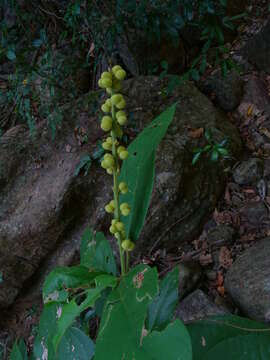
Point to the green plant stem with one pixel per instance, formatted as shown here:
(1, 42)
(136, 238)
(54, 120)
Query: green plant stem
(116, 191)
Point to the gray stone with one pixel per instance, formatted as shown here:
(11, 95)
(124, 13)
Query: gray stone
(248, 172)
(198, 306)
(255, 213)
(220, 235)
(227, 90)
(248, 281)
(190, 274)
(257, 49)
(44, 206)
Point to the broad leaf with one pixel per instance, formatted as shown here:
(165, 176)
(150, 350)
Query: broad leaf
(123, 318)
(68, 312)
(230, 337)
(66, 278)
(138, 171)
(122, 334)
(96, 252)
(75, 345)
(161, 310)
(170, 344)
(19, 351)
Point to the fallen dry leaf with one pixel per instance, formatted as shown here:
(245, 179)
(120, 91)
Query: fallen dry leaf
(196, 133)
(225, 257)
(221, 290)
(250, 110)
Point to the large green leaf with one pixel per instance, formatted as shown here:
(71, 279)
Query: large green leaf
(138, 171)
(173, 343)
(123, 318)
(161, 310)
(231, 337)
(66, 278)
(122, 334)
(96, 252)
(75, 345)
(68, 312)
(19, 351)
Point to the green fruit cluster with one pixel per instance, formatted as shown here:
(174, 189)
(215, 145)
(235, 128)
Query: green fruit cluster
(113, 120)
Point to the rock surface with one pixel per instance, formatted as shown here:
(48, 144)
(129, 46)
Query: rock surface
(44, 206)
(220, 235)
(248, 172)
(248, 281)
(257, 49)
(226, 90)
(198, 306)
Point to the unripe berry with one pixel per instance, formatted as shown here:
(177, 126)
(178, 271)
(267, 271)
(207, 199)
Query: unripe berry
(114, 221)
(120, 226)
(120, 74)
(118, 131)
(109, 171)
(108, 161)
(105, 108)
(108, 102)
(121, 104)
(117, 235)
(103, 164)
(123, 187)
(123, 155)
(125, 209)
(113, 229)
(109, 90)
(121, 117)
(105, 83)
(109, 209)
(120, 149)
(109, 140)
(106, 75)
(107, 146)
(106, 123)
(116, 68)
(128, 245)
(116, 98)
(112, 203)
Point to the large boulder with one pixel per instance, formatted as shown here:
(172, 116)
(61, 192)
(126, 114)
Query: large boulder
(45, 206)
(257, 49)
(248, 281)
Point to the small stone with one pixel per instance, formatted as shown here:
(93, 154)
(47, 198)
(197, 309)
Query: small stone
(255, 213)
(190, 273)
(227, 90)
(248, 281)
(197, 306)
(220, 235)
(248, 172)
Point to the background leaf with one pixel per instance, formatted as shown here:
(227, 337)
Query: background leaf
(66, 277)
(96, 252)
(161, 310)
(19, 351)
(230, 336)
(76, 345)
(138, 171)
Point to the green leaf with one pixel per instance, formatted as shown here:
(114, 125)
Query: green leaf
(161, 310)
(223, 151)
(196, 157)
(85, 162)
(76, 345)
(214, 155)
(170, 344)
(96, 252)
(67, 313)
(19, 351)
(122, 333)
(64, 278)
(231, 337)
(123, 317)
(138, 171)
